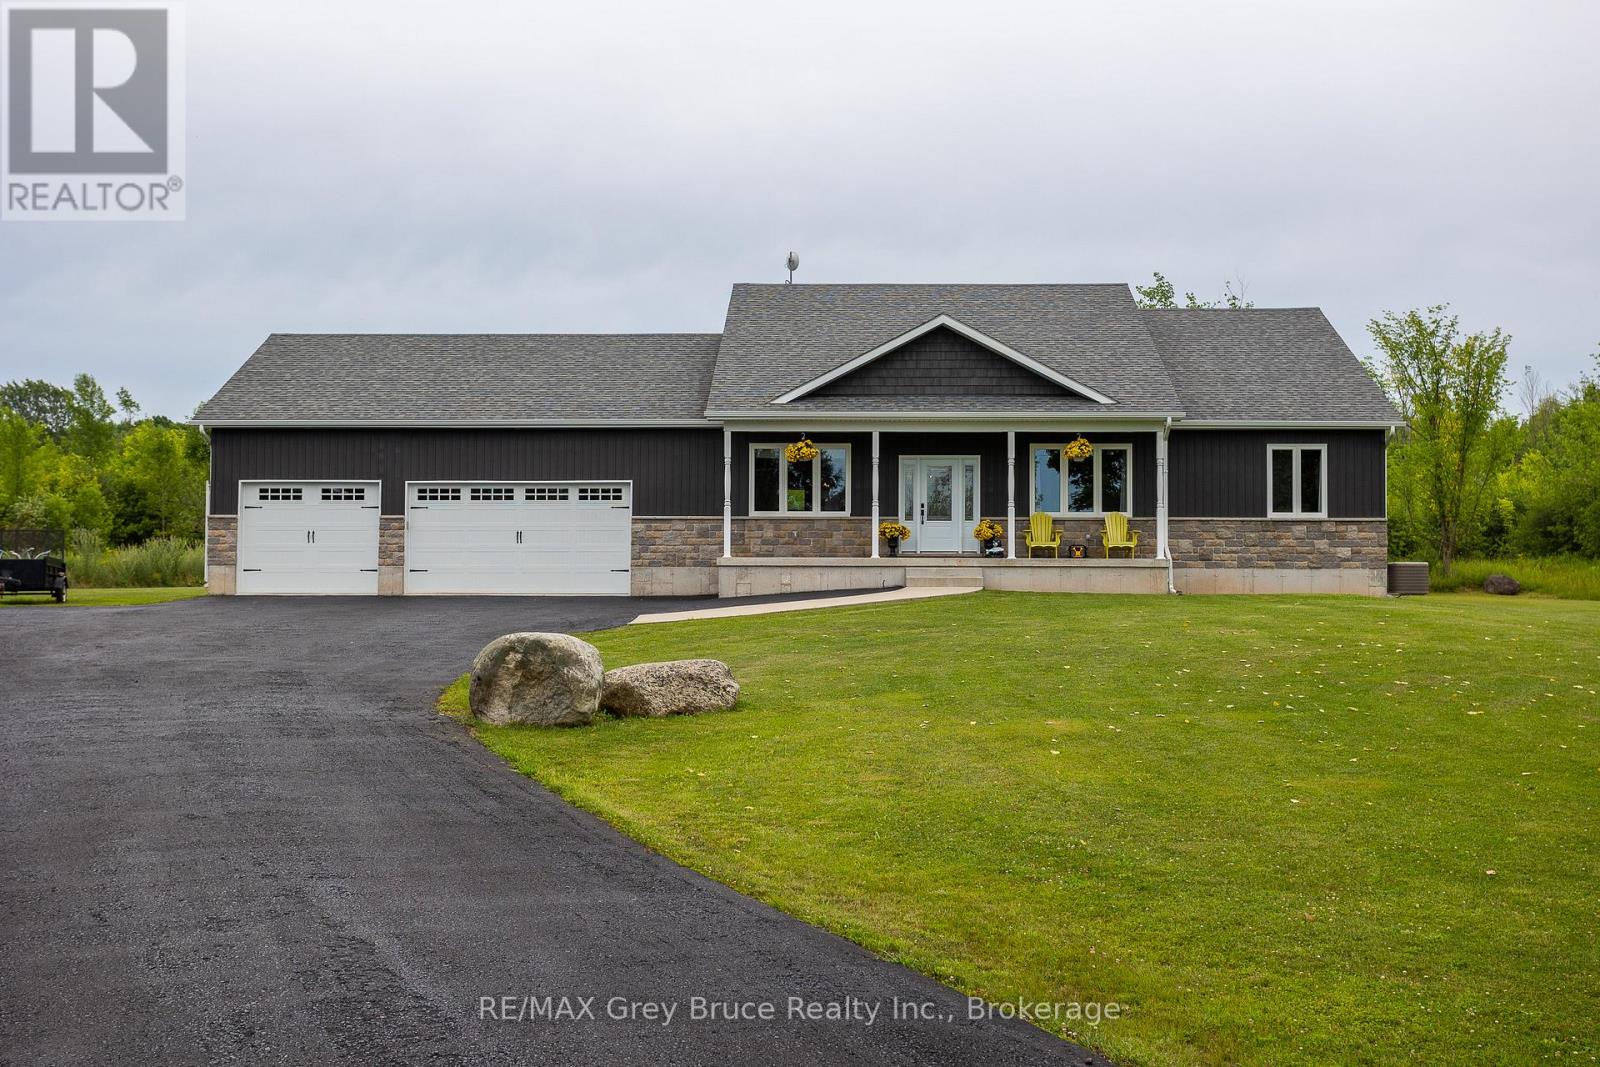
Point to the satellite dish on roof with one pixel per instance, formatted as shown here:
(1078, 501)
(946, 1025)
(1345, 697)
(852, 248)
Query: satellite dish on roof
(793, 263)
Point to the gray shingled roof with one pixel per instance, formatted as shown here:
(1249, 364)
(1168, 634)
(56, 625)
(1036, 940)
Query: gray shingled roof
(1273, 364)
(450, 378)
(1284, 364)
(778, 337)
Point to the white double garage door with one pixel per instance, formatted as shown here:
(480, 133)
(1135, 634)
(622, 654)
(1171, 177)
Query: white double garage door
(482, 538)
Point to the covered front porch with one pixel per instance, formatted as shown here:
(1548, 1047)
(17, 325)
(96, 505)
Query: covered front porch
(796, 522)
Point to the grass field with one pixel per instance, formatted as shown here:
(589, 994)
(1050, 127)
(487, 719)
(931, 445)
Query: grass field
(1277, 830)
(101, 598)
(1563, 576)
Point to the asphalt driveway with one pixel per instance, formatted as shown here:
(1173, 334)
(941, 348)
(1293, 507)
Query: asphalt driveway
(234, 832)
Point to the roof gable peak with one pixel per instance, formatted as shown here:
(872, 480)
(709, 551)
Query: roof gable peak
(947, 322)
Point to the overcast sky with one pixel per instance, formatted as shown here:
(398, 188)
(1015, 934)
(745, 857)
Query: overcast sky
(524, 167)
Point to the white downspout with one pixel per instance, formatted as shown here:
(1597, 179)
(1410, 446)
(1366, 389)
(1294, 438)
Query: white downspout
(1011, 494)
(1163, 543)
(727, 493)
(874, 531)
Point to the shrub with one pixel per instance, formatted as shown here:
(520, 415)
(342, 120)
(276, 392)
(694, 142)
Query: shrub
(157, 562)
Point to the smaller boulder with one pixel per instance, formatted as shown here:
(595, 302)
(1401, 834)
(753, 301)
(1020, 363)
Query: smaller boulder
(677, 687)
(543, 679)
(1502, 584)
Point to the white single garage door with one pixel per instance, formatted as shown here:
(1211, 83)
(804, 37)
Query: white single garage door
(318, 538)
(519, 538)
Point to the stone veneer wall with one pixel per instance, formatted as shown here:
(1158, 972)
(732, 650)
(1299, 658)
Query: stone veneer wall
(222, 540)
(842, 536)
(222, 554)
(675, 557)
(679, 542)
(1345, 544)
(391, 555)
(391, 541)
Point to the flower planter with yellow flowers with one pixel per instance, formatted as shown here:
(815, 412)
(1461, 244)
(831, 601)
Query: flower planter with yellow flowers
(893, 533)
(989, 534)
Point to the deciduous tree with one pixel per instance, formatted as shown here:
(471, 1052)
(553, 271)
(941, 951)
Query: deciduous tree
(1448, 387)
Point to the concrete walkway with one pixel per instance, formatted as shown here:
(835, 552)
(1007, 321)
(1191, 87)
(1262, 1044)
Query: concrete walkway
(887, 596)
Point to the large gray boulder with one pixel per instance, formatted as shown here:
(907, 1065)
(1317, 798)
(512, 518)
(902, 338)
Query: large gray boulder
(1503, 584)
(545, 679)
(677, 687)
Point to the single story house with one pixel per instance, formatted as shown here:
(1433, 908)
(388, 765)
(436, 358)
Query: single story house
(1246, 448)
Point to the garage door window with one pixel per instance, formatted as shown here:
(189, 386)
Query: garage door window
(599, 493)
(491, 493)
(438, 495)
(548, 493)
(343, 492)
(278, 492)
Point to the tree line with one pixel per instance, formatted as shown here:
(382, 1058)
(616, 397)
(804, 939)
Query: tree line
(1468, 478)
(76, 459)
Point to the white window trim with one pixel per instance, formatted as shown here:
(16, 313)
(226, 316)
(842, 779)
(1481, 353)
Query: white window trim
(1097, 513)
(816, 483)
(1322, 513)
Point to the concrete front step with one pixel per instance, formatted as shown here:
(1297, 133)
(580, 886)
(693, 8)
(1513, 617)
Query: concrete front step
(944, 577)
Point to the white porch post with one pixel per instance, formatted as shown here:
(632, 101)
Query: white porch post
(727, 492)
(1011, 494)
(1161, 492)
(874, 531)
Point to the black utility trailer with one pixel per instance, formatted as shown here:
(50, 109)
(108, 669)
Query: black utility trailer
(34, 561)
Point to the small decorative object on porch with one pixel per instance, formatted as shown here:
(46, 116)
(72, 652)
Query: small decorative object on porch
(1079, 448)
(802, 451)
(894, 533)
(988, 532)
(1077, 551)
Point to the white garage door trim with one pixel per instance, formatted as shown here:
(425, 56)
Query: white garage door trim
(308, 538)
(516, 538)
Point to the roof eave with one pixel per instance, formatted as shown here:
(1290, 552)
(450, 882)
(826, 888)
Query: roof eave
(446, 424)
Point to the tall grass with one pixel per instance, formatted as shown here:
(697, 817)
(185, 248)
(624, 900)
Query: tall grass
(1571, 577)
(159, 561)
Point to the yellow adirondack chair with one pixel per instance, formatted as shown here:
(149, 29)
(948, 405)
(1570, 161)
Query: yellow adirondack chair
(1042, 533)
(1118, 535)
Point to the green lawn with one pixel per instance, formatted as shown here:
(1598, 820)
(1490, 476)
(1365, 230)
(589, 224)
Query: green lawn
(100, 598)
(1278, 830)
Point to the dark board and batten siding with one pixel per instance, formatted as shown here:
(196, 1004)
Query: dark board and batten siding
(941, 363)
(1214, 473)
(988, 446)
(674, 471)
(1222, 474)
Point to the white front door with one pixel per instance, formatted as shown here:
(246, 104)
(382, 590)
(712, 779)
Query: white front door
(519, 538)
(308, 538)
(938, 523)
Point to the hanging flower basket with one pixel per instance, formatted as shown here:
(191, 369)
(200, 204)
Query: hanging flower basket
(1079, 449)
(802, 451)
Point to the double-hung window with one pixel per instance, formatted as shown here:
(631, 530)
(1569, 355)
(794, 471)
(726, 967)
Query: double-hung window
(1297, 481)
(1101, 483)
(819, 486)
